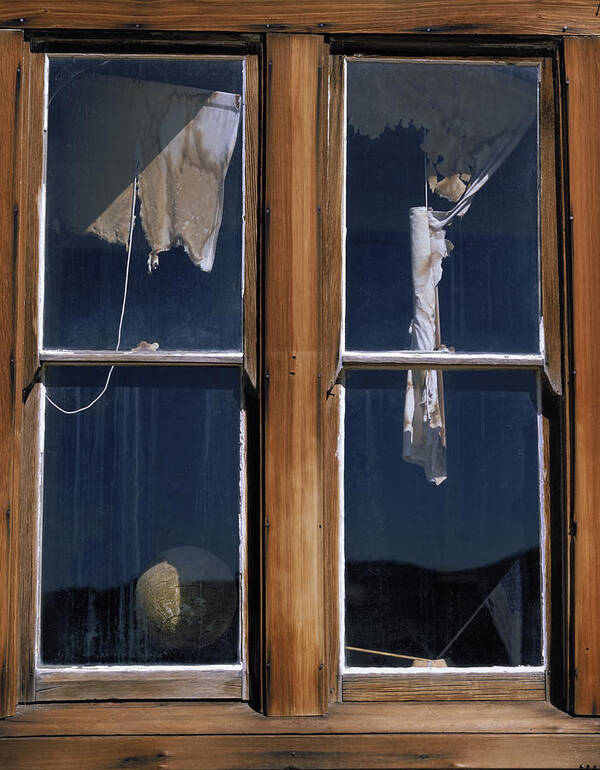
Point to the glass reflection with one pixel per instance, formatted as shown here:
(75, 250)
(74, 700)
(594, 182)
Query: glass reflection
(140, 560)
(449, 572)
(174, 126)
(453, 145)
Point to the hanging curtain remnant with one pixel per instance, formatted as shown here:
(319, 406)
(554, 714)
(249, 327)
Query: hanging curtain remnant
(177, 140)
(424, 428)
(472, 117)
(424, 419)
(468, 112)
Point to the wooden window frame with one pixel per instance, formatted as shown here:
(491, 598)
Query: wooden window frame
(521, 683)
(50, 683)
(306, 230)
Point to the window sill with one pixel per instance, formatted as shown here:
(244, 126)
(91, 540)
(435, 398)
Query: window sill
(225, 735)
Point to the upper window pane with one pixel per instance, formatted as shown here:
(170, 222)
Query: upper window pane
(462, 140)
(175, 126)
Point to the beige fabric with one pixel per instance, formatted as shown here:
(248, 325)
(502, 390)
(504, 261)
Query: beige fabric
(468, 111)
(181, 188)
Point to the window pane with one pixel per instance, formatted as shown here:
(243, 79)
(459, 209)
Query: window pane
(140, 559)
(471, 131)
(176, 125)
(448, 571)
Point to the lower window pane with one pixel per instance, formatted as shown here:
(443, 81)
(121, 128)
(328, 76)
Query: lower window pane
(444, 574)
(141, 505)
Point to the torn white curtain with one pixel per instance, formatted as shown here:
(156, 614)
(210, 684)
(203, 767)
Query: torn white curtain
(424, 430)
(424, 420)
(178, 141)
(472, 116)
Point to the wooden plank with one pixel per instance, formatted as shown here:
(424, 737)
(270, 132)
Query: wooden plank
(28, 551)
(582, 61)
(332, 320)
(335, 217)
(293, 507)
(395, 359)
(252, 382)
(423, 687)
(132, 685)
(142, 357)
(27, 364)
(229, 718)
(11, 71)
(329, 751)
(251, 172)
(512, 17)
(551, 305)
(558, 411)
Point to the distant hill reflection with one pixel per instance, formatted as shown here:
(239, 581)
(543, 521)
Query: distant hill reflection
(410, 610)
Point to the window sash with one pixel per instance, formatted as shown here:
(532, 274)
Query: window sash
(55, 683)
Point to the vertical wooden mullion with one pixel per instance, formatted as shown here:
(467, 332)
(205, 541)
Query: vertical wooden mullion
(252, 685)
(250, 347)
(558, 463)
(251, 161)
(582, 64)
(27, 344)
(550, 287)
(294, 596)
(11, 125)
(332, 319)
(556, 380)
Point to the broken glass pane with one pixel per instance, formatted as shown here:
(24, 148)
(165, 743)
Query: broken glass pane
(140, 556)
(449, 574)
(159, 139)
(442, 207)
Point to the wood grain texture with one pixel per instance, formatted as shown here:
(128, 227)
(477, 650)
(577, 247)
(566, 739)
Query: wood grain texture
(335, 231)
(294, 751)
(401, 359)
(332, 321)
(293, 505)
(28, 536)
(80, 685)
(28, 362)
(250, 219)
(560, 424)
(33, 172)
(550, 267)
(251, 339)
(582, 62)
(530, 17)
(433, 687)
(11, 53)
(229, 718)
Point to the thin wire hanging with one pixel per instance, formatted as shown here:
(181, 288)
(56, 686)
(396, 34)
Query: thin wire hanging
(123, 304)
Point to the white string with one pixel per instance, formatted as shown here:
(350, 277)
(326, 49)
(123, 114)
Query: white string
(426, 184)
(110, 371)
